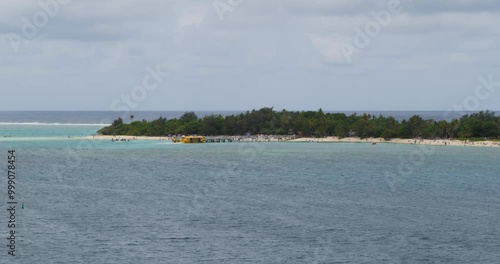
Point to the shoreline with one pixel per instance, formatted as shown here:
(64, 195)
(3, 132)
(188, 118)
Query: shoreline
(431, 142)
(285, 139)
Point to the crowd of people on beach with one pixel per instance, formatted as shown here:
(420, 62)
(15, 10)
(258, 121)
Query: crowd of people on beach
(120, 139)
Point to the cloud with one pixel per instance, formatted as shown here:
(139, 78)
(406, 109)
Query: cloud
(330, 47)
(279, 49)
(451, 6)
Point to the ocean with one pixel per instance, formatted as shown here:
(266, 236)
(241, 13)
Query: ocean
(89, 201)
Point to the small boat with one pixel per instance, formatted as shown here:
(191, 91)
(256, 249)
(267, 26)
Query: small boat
(189, 139)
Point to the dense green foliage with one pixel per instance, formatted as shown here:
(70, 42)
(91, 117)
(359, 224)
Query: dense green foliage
(312, 123)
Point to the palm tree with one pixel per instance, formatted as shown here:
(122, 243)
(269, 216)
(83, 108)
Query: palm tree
(132, 118)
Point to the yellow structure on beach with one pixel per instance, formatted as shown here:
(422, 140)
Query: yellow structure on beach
(189, 139)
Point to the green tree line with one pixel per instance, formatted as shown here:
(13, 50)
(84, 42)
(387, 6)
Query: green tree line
(484, 124)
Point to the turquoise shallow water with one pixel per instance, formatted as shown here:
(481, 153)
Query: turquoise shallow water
(23, 131)
(158, 202)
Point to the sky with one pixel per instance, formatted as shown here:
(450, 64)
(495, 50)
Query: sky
(114, 55)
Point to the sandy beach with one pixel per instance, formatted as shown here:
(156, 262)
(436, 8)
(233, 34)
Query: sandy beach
(437, 142)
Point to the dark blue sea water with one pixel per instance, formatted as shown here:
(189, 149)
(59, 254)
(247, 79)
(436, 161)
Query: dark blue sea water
(90, 201)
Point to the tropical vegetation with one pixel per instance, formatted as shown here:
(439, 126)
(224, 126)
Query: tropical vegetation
(482, 125)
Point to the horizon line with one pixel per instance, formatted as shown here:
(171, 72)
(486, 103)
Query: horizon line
(190, 110)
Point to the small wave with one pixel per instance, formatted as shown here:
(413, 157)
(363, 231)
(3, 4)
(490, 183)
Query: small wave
(48, 124)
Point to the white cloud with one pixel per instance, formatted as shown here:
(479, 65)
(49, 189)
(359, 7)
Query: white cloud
(331, 47)
(276, 47)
